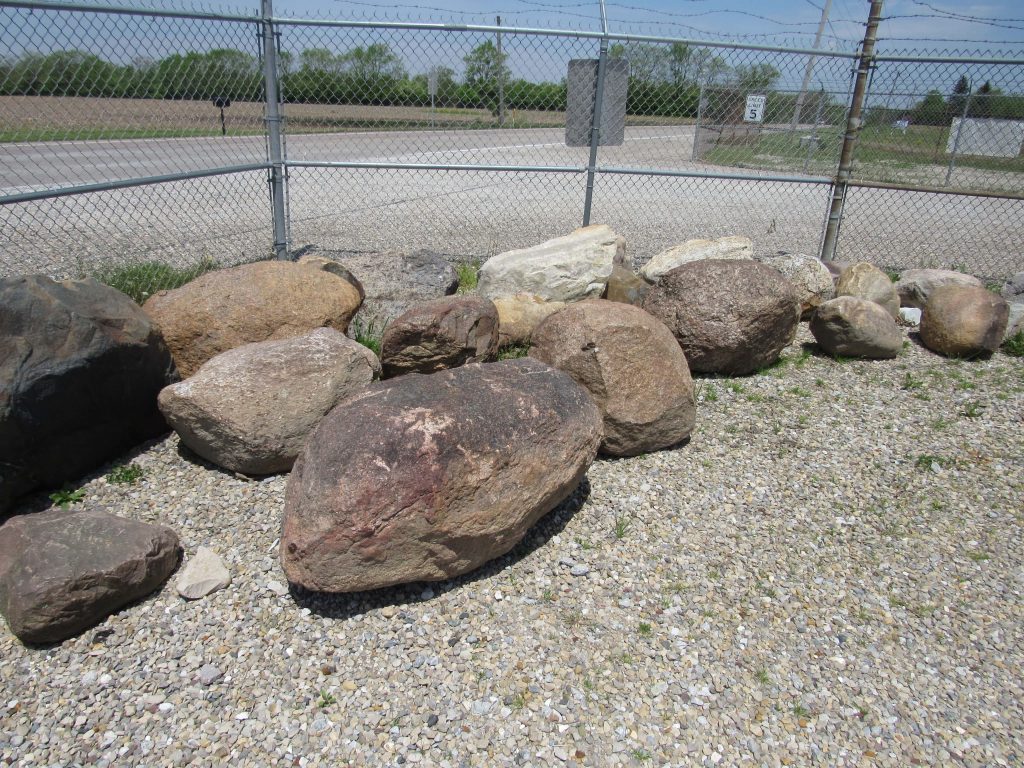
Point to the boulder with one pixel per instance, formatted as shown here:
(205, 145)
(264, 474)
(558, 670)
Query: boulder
(962, 321)
(626, 287)
(855, 327)
(733, 247)
(812, 279)
(80, 367)
(439, 334)
(335, 268)
(836, 268)
(729, 316)
(631, 365)
(1015, 319)
(428, 477)
(915, 285)
(251, 408)
(393, 281)
(866, 281)
(568, 268)
(518, 315)
(63, 570)
(1013, 289)
(203, 574)
(262, 301)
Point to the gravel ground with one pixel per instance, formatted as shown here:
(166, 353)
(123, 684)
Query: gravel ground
(829, 573)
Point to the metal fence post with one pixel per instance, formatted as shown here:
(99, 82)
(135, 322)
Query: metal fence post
(595, 120)
(959, 130)
(275, 146)
(853, 124)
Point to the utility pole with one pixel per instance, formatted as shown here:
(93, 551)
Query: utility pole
(501, 81)
(853, 123)
(809, 70)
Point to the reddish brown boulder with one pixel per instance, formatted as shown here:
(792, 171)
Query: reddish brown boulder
(730, 316)
(427, 477)
(632, 366)
(253, 302)
(961, 321)
(63, 570)
(443, 333)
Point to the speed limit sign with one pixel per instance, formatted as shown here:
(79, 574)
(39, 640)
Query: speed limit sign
(754, 113)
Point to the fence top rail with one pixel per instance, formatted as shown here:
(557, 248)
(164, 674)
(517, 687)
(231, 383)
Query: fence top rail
(933, 59)
(124, 10)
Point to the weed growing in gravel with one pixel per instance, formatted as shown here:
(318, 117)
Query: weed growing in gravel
(926, 460)
(819, 382)
(140, 281)
(801, 711)
(708, 392)
(641, 754)
(548, 595)
(910, 382)
(621, 526)
(766, 590)
(755, 397)
(369, 335)
(894, 275)
(125, 474)
(513, 352)
(644, 629)
(762, 677)
(584, 544)
(518, 702)
(799, 392)
(735, 387)
(1014, 346)
(469, 275)
(66, 498)
(326, 699)
(940, 423)
(978, 556)
(972, 409)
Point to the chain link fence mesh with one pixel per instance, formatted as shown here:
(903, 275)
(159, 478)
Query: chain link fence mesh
(454, 139)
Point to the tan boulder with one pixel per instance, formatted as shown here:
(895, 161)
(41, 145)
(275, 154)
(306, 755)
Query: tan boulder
(809, 276)
(626, 287)
(915, 285)
(855, 327)
(518, 315)
(252, 302)
(632, 366)
(961, 321)
(866, 281)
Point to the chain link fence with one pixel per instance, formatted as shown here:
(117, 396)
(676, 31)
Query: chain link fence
(137, 145)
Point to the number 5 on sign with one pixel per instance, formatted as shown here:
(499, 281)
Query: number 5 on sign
(754, 113)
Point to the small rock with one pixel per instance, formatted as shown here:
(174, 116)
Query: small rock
(579, 570)
(209, 674)
(277, 588)
(203, 574)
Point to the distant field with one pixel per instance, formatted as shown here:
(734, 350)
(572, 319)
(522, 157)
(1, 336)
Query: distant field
(55, 118)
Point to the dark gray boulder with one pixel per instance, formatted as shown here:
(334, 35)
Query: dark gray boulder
(80, 369)
(63, 570)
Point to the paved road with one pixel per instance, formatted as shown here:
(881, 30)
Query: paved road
(470, 214)
(46, 165)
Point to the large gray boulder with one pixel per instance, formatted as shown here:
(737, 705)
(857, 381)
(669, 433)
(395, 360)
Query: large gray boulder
(80, 368)
(812, 279)
(631, 365)
(427, 477)
(392, 281)
(62, 571)
(576, 266)
(443, 333)
(866, 281)
(732, 247)
(963, 321)
(729, 316)
(855, 327)
(915, 285)
(263, 301)
(251, 408)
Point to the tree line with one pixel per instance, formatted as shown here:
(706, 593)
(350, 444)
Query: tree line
(987, 101)
(665, 80)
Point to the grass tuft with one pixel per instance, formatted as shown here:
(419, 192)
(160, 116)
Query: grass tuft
(142, 280)
(513, 351)
(469, 274)
(125, 474)
(368, 335)
(1014, 346)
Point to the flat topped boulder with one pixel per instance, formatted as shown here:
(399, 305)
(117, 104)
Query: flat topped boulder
(262, 301)
(444, 333)
(251, 408)
(732, 247)
(916, 285)
(569, 268)
(866, 281)
(62, 571)
(855, 327)
(80, 367)
(426, 477)
(631, 365)
(729, 316)
(962, 321)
